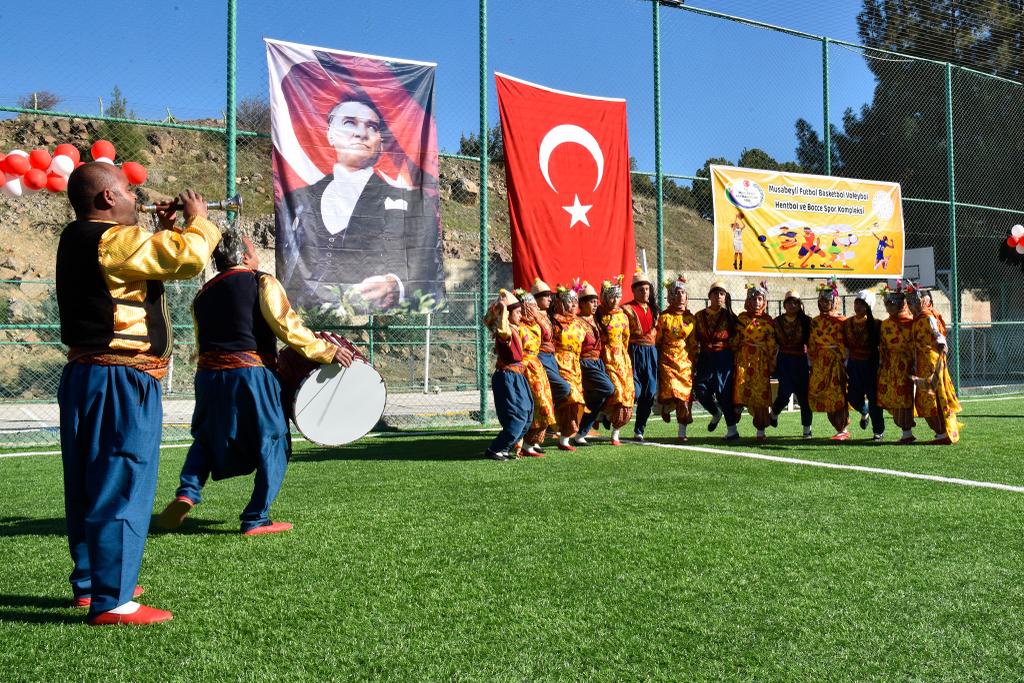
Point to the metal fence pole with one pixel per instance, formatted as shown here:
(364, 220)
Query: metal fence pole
(659, 177)
(827, 134)
(484, 249)
(229, 112)
(953, 352)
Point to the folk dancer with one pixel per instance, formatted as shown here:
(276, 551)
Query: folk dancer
(826, 390)
(239, 424)
(614, 325)
(530, 334)
(896, 362)
(755, 348)
(861, 336)
(793, 330)
(716, 329)
(113, 318)
(676, 342)
(597, 386)
(512, 399)
(568, 334)
(935, 398)
(642, 313)
(560, 389)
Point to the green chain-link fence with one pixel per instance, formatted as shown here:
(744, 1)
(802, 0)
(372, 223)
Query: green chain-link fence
(949, 135)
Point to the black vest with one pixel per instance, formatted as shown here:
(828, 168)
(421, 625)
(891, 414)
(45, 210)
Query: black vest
(228, 316)
(84, 300)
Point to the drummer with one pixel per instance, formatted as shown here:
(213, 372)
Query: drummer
(239, 424)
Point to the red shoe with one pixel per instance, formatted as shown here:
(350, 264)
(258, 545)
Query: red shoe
(533, 454)
(272, 528)
(140, 617)
(906, 441)
(616, 442)
(944, 441)
(83, 601)
(841, 436)
(175, 513)
(567, 447)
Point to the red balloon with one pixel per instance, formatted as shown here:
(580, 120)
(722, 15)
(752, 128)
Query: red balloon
(1011, 241)
(136, 173)
(34, 179)
(3, 179)
(15, 164)
(102, 148)
(68, 150)
(55, 182)
(79, 163)
(39, 158)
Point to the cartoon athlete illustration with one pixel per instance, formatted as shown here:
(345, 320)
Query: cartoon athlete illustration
(883, 243)
(737, 241)
(843, 250)
(810, 247)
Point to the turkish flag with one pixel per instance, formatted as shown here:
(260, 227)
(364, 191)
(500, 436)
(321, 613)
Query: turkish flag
(569, 196)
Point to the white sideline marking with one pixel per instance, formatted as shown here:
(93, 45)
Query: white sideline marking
(837, 466)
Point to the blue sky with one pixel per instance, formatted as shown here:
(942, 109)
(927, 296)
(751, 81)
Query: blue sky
(725, 86)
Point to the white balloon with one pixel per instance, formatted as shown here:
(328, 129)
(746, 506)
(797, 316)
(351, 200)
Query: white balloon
(62, 165)
(1020, 248)
(19, 152)
(13, 188)
(105, 160)
(1017, 231)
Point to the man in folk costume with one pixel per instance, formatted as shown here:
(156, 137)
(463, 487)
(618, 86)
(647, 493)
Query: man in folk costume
(716, 329)
(597, 386)
(239, 425)
(793, 330)
(755, 348)
(544, 297)
(861, 335)
(896, 362)
(642, 314)
(530, 334)
(827, 388)
(676, 342)
(614, 325)
(568, 334)
(935, 399)
(512, 398)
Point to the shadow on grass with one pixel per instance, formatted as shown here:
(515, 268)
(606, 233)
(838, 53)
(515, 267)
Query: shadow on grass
(192, 526)
(8, 616)
(29, 526)
(24, 609)
(785, 444)
(395, 446)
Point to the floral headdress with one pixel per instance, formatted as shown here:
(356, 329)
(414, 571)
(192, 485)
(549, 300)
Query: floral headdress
(612, 288)
(524, 296)
(829, 289)
(678, 283)
(570, 294)
(913, 292)
(755, 289)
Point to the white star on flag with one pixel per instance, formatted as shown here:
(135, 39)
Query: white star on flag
(578, 212)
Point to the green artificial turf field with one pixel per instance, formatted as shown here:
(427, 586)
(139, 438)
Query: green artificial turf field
(413, 559)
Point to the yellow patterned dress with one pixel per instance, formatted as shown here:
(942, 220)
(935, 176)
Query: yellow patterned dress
(677, 349)
(615, 354)
(826, 392)
(935, 397)
(568, 334)
(896, 352)
(536, 377)
(755, 347)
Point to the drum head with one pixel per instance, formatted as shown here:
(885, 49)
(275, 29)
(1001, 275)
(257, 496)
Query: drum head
(337, 405)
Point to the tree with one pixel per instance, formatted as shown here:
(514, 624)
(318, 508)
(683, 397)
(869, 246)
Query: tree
(43, 100)
(128, 138)
(757, 158)
(470, 144)
(253, 114)
(702, 188)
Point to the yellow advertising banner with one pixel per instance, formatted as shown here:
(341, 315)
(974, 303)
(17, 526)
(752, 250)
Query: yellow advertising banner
(794, 224)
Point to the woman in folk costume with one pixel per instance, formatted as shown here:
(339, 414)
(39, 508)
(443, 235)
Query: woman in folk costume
(861, 335)
(826, 391)
(615, 353)
(642, 313)
(530, 335)
(543, 295)
(755, 347)
(793, 330)
(676, 341)
(935, 398)
(512, 399)
(568, 334)
(597, 386)
(713, 378)
(896, 362)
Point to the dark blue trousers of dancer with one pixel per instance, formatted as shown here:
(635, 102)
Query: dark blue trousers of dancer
(645, 381)
(597, 387)
(862, 391)
(713, 384)
(110, 422)
(238, 427)
(513, 403)
(794, 374)
(560, 389)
